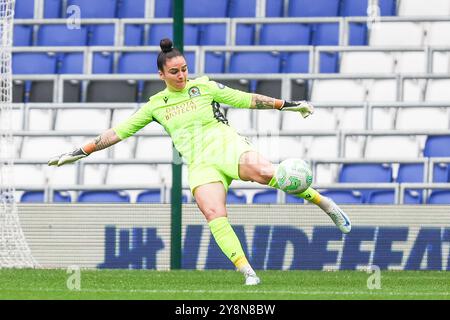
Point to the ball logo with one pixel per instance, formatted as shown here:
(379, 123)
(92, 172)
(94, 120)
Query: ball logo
(194, 92)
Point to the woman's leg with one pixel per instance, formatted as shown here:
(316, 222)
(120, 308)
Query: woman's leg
(211, 199)
(254, 167)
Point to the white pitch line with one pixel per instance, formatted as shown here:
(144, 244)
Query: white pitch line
(337, 293)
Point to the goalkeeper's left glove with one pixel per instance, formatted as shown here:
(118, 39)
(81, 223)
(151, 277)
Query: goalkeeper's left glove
(304, 107)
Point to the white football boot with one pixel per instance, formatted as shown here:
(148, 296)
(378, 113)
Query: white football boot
(339, 217)
(251, 279)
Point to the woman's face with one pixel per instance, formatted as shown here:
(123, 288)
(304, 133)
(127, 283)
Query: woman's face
(175, 73)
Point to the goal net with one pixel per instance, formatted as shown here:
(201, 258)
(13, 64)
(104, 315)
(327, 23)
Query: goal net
(14, 250)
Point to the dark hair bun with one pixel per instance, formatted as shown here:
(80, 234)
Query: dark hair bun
(166, 45)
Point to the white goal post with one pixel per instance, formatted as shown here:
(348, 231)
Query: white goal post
(14, 250)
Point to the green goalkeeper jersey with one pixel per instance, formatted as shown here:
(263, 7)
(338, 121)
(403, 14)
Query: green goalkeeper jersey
(189, 117)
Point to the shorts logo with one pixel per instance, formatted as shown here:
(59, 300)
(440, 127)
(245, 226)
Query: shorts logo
(194, 92)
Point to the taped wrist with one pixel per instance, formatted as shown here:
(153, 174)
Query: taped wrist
(79, 152)
(289, 104)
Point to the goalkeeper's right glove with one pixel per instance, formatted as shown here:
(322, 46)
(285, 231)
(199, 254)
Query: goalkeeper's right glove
(66, 158)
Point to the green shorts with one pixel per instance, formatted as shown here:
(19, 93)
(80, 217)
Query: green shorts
(219, 163)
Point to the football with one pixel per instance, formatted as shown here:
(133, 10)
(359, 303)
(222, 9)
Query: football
(294, 176)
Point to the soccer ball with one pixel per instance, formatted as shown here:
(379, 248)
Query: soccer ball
(294, 176)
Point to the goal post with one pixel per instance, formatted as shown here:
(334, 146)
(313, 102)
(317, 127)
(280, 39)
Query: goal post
(14, 250)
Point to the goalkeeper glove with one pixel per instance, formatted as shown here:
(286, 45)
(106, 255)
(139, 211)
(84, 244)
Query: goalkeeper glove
(66, 158)
(304, 107)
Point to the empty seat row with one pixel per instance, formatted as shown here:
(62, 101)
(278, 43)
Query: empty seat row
(319, 91)
(326, 33)
(233, 197)
(145, 62)
(194, 34)
(405, 118)
(33, 149)
(202, 8)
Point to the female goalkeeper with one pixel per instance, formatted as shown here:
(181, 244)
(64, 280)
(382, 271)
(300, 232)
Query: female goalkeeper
(214, 152)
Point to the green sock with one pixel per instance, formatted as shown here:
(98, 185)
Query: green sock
(309, 194)
(228, 241)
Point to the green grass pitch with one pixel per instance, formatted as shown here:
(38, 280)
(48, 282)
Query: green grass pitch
(219, 284)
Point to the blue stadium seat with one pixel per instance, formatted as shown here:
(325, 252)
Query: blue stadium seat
(214, 62)
(22, 35)
(134, 35)
(24, 9)
(101, 35)
(145, 62)
(38, 196)
(104, 196)
(439, 197)
(242, 8)
(268, 196)
(381, 197)
(212, 34)
(60, 35)
(205, 8)
(255, 62)
(329, 62)
(150, 196)
(131, 9)
(163, 9)
(359, 7)
(95, 9)
(245, 34)
(365, 172)
(438, 146)
(292, 199)
(295, 62)
(102, 62)
(388, 197)
(357, 34)
(285, 34)
(411, 172)
(138, 62)
(34, 63)
(71, 63)
(344, 196)
(313, 8)
(274, 8)
(160, 31)
(52, 9)
(325, 34)
(232, 197)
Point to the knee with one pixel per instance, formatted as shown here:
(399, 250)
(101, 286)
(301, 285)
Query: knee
(266, 173)
(213, 212)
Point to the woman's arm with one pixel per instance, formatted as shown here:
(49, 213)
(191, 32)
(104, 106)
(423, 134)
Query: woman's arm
(263, 102)
(104, 140)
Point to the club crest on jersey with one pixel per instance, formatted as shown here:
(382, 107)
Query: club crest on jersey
(194, 92)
